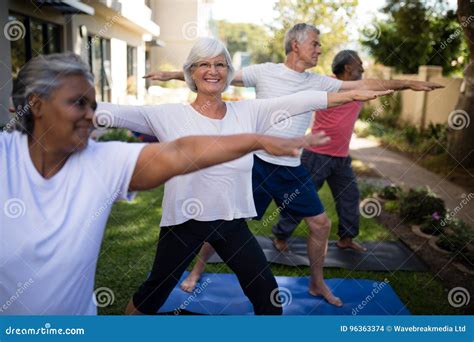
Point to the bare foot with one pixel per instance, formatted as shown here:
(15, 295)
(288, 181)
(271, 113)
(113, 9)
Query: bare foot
(325, 292)
(131, 309)
(281, 245)
(189, 284)
(348, 243)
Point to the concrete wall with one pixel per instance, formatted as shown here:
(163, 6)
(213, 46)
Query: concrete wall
(412, 102)
(441, 103)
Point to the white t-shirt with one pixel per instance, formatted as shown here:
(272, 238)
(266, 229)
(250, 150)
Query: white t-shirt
(273, 80)
(221, 192)
(51, 229)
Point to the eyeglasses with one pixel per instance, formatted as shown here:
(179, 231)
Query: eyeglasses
(207, 66)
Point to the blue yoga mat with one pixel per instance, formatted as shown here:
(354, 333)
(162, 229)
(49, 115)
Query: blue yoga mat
(220, 294)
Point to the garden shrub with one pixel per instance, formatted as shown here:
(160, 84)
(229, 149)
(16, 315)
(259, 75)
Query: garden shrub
(411, 134)
(417, 204)
(434, 224)
(392, 206)
(391, 192)
(458, 238)
(118, 134)
(367, 189)
(392, 108)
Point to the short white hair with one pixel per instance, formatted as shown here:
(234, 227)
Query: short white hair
(202, 49)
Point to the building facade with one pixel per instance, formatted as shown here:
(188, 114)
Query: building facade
(181, 23)
(110, 35)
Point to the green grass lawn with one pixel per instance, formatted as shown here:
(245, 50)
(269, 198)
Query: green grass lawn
(132, 233)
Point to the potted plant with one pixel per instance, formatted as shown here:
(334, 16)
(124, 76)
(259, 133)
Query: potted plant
(457, 240)
(434, 224)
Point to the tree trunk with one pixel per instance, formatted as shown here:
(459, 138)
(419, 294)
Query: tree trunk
(461, 121)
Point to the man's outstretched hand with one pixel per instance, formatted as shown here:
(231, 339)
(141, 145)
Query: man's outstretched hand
(367, 95)
(424, 86)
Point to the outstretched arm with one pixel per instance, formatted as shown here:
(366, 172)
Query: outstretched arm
(368, 84)
(337, 99)
(179, 75)
(161, 161)
(270, 112)
(134, 118)
(372, 84)
(165, 75)
(237, 80)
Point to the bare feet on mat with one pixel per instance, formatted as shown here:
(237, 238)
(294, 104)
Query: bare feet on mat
(281, 245)
(189, 284)
(324, 291)
(348, 243)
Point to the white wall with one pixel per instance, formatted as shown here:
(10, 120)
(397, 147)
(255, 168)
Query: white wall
(118, 49)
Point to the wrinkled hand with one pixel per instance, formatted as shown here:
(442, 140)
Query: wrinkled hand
(291, 146)
(159, 76)
(367, 95)
(424, 86)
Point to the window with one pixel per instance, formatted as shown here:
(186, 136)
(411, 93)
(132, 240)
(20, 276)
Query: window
(132, 70)
(99, 61)
(40, 37)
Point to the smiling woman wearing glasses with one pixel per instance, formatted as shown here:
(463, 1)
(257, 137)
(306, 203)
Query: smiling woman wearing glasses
(212, 205)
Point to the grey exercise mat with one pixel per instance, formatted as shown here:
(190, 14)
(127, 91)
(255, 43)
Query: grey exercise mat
(381, 256)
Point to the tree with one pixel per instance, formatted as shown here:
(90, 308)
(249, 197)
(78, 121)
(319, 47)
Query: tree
(461, 121)
(330, 17)
(417, 33)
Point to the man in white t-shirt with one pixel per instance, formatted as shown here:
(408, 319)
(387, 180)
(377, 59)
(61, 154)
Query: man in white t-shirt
(285, 180)
(331, 163)
(58, 187)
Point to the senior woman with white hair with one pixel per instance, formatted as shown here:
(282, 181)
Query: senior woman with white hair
(211, 205)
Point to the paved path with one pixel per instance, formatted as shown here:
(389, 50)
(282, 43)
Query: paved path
(403, 171)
